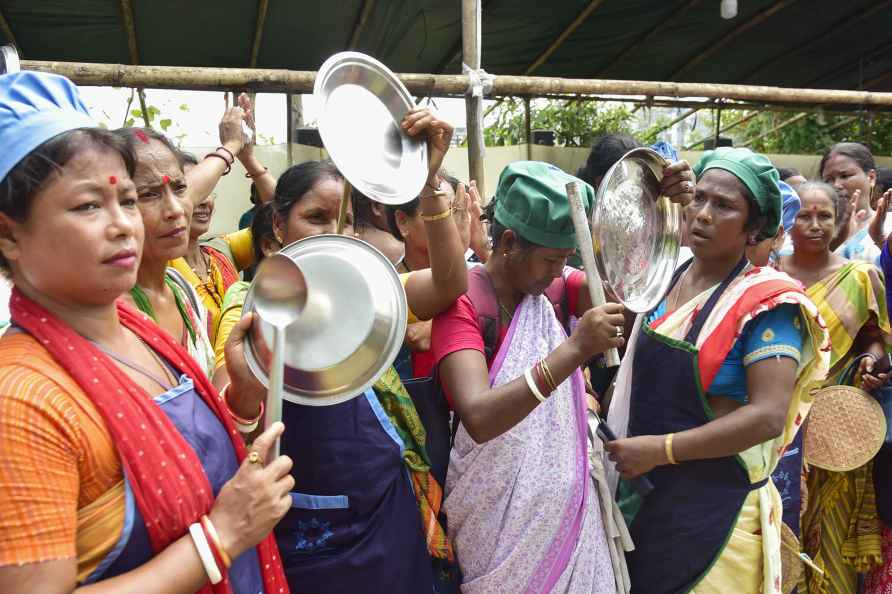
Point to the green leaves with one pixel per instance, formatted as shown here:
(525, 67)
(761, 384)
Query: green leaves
(153, 113)
(575, 123)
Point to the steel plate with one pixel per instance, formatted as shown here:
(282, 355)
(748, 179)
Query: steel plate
(9, 60)
(636, 231)
(352, 326)
(361, 104)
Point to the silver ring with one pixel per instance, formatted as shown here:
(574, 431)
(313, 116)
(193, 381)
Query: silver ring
(619, 331)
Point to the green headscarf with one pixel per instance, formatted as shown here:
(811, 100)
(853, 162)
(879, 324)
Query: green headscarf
(531, 200)
(759, 176)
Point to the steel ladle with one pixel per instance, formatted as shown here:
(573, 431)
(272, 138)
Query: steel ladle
(280, 294)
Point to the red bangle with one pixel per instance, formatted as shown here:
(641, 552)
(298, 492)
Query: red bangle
(219, 156)
(228, 152)
(239, 420)
(210, 533)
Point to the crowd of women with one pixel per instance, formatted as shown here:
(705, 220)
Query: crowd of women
(130, 454)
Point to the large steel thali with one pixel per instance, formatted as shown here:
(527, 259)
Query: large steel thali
(636, 230)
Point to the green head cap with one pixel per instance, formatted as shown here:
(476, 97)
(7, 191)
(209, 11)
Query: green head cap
(531, 200)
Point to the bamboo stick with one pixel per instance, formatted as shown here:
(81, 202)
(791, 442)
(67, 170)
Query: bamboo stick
(262, 9)
(471, 50)
(283, 81)
(130, 26)
(364, 14)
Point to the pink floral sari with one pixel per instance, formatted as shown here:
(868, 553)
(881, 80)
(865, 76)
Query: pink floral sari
(523, 514)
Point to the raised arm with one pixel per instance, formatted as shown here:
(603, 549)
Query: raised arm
(203, 178)
(264, 181)
(432, 291)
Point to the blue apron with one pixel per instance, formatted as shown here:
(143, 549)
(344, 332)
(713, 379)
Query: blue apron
(354, 525)
(204, 432)
(682, 527)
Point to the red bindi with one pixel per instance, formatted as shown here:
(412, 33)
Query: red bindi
(165, 179)
(112, 179)
(142, 136)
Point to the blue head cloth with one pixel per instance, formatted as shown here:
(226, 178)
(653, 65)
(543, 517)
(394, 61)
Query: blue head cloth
(35, 107)
(790, 205)
(666, 150)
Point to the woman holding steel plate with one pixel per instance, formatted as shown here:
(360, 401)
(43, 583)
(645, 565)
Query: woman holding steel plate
(719, 384)
(365, 505)
(524, 513)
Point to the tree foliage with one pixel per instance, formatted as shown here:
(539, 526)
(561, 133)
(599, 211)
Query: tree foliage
(810, 135)
(575, 123)
(578, 123)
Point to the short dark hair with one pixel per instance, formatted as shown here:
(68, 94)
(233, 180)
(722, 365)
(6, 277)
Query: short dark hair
(857, 152)
(884, 179)
(606, 151)
(298, 180)
(496, 230)
(261, 228)
(788, 172)
(411, 207)
(31, 174)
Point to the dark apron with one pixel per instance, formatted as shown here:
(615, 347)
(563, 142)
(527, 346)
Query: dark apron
(682, 527)
(204, 432)
(354, 524)
(787, 477)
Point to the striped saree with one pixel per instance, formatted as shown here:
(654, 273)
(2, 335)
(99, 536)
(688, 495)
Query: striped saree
(840, 528)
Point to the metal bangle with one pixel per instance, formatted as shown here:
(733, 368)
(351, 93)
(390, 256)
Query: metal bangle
(531, 384)
(437, 217)
(670, 455)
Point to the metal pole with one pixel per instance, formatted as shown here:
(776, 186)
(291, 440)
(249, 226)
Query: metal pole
(528, 127)
(471, 50)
